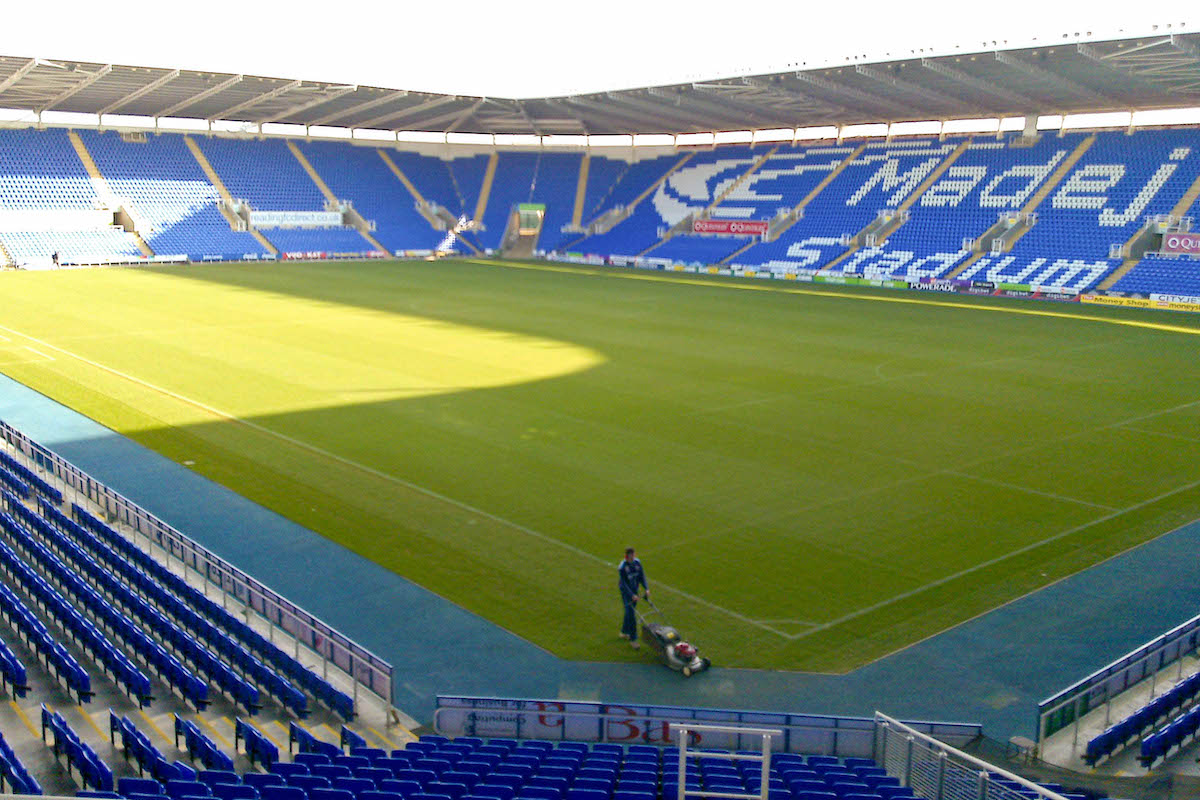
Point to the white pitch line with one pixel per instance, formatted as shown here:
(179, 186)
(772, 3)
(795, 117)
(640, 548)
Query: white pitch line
(990, 562)
(1028, 490)
(1162, 435)
(388, 477)
(38, 352)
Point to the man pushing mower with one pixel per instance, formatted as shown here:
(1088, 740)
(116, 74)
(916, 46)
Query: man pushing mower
(631, 577)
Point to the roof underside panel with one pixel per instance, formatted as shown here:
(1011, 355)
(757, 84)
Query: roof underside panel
(1071, 77)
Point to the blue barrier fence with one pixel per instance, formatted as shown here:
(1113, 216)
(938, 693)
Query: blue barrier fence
(1071, 704)
(624, 723)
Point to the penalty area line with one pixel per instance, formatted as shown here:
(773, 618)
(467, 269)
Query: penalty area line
(416, 488)
(993, 561)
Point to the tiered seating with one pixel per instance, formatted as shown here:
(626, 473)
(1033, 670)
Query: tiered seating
(640, 229)
(512, 184)
(1103, 201)
(263, 172)
(165, 186)
(30, 477)
(206, 236)
(1163, 275)
(468, 768)
(467, 173)
(783, 180)
(258, 748)
(359, 175)
(48, 649)
(554, 184)
(40, 172)
(167, 591)
(879, 178)
(1160, 743)
(100, 246)
(303, 741)
(268, 176)
(14, 484)
(14, 778)
(433, 180)
(328, 241)
(351, 740)
(137, 747)
(93, 772)
(199, 747)
(951, 210)
(698, 249)
(82, 630)
(1117, 735)
(604, 176)
(12, 671)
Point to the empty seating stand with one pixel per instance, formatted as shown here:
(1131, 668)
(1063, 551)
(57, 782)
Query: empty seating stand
(1116, 736)
(66, 744)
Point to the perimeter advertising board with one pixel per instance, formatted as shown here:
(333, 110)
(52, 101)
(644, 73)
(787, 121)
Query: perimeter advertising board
(1138, 302)
(295, 219)
(731, 227)
(562, 720)
(1181, 244)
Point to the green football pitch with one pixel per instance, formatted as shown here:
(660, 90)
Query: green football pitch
(813, 478)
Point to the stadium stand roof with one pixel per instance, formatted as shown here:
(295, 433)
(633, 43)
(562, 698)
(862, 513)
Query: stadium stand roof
(1069, 77)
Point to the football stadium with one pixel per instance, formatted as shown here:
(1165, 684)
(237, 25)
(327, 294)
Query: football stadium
(328, 411)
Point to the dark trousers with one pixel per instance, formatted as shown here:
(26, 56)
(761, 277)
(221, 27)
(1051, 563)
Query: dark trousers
(629, 625)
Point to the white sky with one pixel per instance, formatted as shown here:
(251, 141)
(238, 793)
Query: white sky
(533, 48)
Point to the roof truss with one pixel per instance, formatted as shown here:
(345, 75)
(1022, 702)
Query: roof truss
(196, 98)
(1170, 62)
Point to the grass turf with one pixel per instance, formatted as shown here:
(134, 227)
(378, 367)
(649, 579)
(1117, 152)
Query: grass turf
(813, 479)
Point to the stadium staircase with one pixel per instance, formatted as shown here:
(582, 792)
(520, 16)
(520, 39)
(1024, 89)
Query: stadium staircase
(686, 225)
(883, 226)
(580, 191)
(423, 206)
(1181, 208)
(6, 260)
(1029, 208)
(485, 190)
(105, 191)
(226, 197)
(356, 220)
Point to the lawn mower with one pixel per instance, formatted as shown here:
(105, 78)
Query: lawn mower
(675, 653)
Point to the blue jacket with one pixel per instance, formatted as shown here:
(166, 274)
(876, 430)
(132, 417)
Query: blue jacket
(631, 575)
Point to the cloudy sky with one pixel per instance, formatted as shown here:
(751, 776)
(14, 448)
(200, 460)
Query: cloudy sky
(531, 48)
